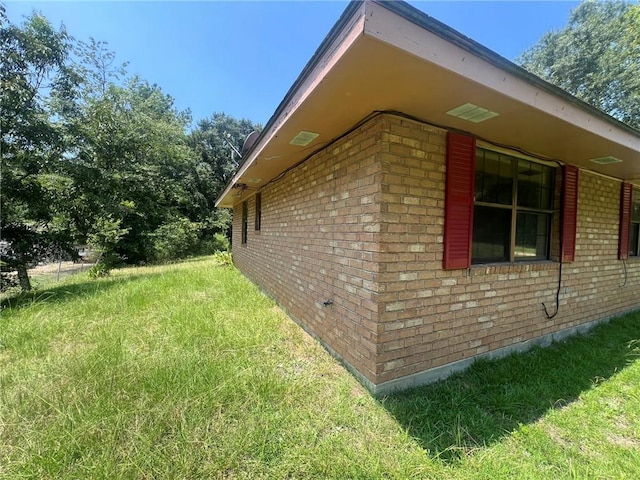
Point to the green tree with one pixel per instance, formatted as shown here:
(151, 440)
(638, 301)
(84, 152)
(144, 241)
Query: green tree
(130, 157)
(34, 67)
(596, 58)
(132, 162)
(214, 141)
(92, 156)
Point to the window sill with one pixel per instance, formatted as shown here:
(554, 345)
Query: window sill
(519, 267)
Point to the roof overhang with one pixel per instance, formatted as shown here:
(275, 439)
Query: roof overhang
(388, 56)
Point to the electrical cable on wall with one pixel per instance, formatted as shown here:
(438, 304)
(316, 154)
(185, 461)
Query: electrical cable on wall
(546, 311)
(557, 296)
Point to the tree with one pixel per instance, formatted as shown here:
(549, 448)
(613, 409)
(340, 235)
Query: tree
(33, 67)
(91, 156)
(213, 141)
(129, 160)
(596, 58)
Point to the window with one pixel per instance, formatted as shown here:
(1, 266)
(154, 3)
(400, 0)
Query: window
(513, 206)
(258, 210)
(245, 221)
(499, 208)
(634, 231)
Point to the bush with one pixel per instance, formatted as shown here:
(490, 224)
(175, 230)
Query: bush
(105, 238)
(182, 238)
(220, 243)
(178, 239)
(99, 270)
(223, 258)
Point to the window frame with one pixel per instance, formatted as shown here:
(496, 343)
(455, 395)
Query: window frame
(515, 209)
(245, 222)
(258, 205)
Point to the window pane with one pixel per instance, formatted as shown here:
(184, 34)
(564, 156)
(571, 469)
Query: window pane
(633, 239)
(535, 185)
(494, 182)
(532, 235)
(491, 227)
(548, 175)
(258, 211)
(245, 222)
(635, 208)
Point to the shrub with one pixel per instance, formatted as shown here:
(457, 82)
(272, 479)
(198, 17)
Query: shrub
(220, 243)
(177, 239)
(224, 258)
(99, 270)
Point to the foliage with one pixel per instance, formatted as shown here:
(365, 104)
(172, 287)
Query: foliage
(129, 159)
(99, 270)
(220, 243)
(178, 239)
(212, 141)
(92, 155)
(182, 238)
(224, 258)
(33, 63)
(596, 57)
(104, 238)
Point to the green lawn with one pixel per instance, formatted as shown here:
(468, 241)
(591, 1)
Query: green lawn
(187, 371)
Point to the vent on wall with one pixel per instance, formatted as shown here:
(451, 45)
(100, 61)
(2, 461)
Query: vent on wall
(605, 160)
(472, 113)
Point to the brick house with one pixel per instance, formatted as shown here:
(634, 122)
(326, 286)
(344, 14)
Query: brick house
(417, 202)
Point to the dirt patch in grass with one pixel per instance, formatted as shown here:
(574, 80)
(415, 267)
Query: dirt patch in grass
(556, 435)
(623, 441)
(52, 272)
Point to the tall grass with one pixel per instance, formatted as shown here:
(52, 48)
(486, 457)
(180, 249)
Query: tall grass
(187, 371)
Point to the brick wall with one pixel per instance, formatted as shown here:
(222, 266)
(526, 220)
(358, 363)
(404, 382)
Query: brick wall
(319, 241)
(361, 224)
(431, 317)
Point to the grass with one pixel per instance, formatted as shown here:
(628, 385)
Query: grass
(187, 371)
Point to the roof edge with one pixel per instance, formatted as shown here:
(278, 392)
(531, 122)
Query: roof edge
(326, 43)
(423, 20)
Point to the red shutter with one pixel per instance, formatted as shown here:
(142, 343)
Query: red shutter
(458, 203)
(569, 212)
(625, 220)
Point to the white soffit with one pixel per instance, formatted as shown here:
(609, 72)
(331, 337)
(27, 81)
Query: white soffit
(378, 60)
(389, 27)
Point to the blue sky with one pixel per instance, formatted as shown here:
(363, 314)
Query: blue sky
(241, 57)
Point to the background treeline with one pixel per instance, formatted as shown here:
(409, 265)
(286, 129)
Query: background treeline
(94, 156)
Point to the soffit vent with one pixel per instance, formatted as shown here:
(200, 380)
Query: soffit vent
(605, 160)
(472, 113)
(302, 139)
